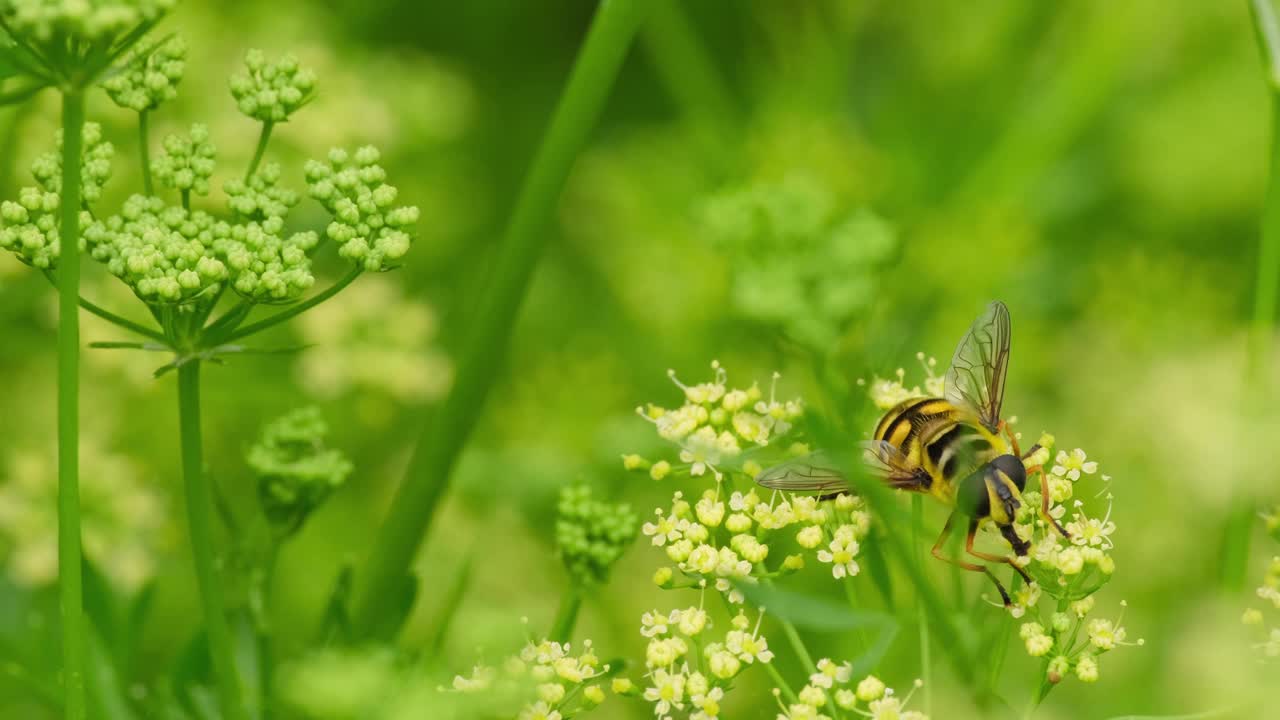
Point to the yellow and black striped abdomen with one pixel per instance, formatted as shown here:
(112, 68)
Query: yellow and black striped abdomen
(945, 442)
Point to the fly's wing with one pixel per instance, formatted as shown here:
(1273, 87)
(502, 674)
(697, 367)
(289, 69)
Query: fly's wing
(811, 473)
(887, 461)
(975, 381)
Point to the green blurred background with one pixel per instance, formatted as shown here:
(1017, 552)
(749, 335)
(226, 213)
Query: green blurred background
(1099, 166)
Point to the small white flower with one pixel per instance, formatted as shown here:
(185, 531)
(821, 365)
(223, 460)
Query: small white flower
(1072, 465)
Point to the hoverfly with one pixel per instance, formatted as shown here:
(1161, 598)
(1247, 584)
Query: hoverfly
(955, 448)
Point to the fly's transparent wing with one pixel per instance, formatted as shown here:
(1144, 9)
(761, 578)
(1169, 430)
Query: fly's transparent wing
(975, 381)
(887, 461)
(811, 473)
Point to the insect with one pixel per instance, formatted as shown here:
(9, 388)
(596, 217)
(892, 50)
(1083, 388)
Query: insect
(955, 448)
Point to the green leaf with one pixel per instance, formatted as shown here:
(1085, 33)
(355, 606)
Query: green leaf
(105, 686)
(451, 605)
(102, 606)
(1220, 712)
(335, 623)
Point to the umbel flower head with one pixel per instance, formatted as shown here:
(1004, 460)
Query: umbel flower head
(148, 79)
(592, 534)
(168, 254)
(187, 162)
(546, 681)
(296, 471)
(29, 226)
(89, 19)
(367, 225)
(272, 91)
(832, 689)
(260, 197)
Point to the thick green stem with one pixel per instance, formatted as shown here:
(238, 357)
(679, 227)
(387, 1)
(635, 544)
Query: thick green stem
(263, 138)
(427, 476)
(144, 152)
(69, 567)
(567, 615)
(1238, 525)
(199, 496)
(922, 617)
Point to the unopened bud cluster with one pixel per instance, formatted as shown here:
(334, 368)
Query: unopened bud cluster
(591, 534)
(367, 224)
(261, 196)
(29, 226)
(169, 254)
(187, 162)
(88, 19)
(272, 91)
(296, 471)
(95, 166)
(148, 80)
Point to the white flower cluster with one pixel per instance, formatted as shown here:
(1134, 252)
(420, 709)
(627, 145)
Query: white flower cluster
(717, 425)
(719, 542)
(832, 687)
(564, 684)
(887, 393)
(688, 671)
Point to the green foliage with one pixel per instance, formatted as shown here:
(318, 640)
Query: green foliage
(592, 534)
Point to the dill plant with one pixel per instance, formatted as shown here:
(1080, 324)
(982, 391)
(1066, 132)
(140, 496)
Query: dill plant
(200, 273)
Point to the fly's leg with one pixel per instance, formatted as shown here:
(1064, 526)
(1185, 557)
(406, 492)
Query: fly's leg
(1044, 500)
(972, 567)
(968, 547)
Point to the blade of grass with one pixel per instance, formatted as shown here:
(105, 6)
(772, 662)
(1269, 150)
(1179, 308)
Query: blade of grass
(70, 589)
(1238, 525)
(399, 538)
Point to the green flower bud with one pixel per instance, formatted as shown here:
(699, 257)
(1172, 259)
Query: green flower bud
(98, 20)
(187, 162)
(145, 82)
(271, 92)
(296, 472)
(366, 226)
(591, 534)
(95, 164)
(260, 198)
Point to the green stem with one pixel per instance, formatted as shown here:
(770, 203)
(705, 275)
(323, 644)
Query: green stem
(263, 137)
(689, 73)
(144, 152)
(780, 681)
(1238, 525)
(113, 318)
(69, 562)
(427, 476)
(199, 498)
(797, 644)
(922, 617)
(567, 616)
(293, 310)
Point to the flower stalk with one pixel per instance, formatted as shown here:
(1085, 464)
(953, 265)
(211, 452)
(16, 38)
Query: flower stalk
(426, 479)
(69, 552)
(199, 500)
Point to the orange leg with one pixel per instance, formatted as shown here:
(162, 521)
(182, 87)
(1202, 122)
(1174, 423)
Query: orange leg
(1013, 440)
(968, 547)
(1044, 499)
(972, 567)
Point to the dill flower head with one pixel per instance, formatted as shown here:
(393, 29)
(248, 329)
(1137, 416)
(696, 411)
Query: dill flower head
(831, 690)
(260, 197)
(187, 162)
(147, 80)
(271, 91)
(545, 680)
(88, 19)
(591, 534)
(296, 472)
(95, 167)
(29, 226)
(370, 229)
(168, 254)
